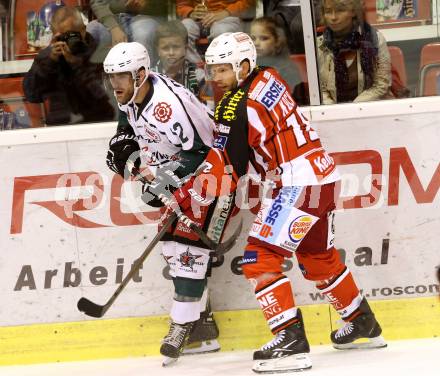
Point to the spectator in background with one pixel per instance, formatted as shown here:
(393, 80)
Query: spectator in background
(210, 18)
(127, 20)
(172, 44)
(353, 58)
(64, 77)
(272, 51)
(287, 15)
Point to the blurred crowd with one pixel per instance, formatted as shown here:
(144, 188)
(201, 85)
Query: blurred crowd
(66, 77)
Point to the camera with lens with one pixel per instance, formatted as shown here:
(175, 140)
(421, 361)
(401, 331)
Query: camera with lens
(74, 41)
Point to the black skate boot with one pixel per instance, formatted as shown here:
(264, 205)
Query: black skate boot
(363, 326)
(286, 352)
(203, 337)
(174, 341)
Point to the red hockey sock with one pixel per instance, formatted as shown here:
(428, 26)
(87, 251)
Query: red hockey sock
(343, 295)
(276, 300)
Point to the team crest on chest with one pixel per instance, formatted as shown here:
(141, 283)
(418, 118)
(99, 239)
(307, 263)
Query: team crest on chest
(162, 112)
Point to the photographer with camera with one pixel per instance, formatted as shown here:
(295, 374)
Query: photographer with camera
(65, 77)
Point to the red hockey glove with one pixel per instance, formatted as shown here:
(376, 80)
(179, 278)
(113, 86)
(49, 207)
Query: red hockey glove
(192, 196)
(192, 204)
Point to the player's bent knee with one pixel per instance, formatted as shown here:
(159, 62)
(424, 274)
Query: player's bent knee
(188, 288)
(320, 267)
(258, 260)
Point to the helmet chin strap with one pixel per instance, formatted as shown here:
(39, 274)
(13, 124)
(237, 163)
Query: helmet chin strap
(124, 107)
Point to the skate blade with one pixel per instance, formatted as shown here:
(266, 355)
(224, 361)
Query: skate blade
(367, 343)
(297, 362)
(201, 347)
(167, 361)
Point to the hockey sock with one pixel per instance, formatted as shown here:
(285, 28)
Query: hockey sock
(343, 294)
(276, 300)
(204, 300)
(183, 312)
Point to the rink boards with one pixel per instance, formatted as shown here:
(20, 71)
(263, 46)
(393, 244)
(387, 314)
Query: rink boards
(71, 229)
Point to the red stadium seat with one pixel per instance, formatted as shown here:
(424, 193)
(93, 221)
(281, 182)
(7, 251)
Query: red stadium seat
(429, 69)
(398, 63)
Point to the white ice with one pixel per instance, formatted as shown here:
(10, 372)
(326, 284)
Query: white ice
(402, 358)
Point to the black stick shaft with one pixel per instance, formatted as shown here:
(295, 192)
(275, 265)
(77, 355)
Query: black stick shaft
(205, 239)
(138, 263)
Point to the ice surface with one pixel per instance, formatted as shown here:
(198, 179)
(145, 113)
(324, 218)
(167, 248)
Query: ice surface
(402, 358)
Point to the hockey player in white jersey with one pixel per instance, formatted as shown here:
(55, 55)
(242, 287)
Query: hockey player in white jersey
(169, 128)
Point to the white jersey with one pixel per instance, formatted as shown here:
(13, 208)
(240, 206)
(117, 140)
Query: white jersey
(170, 119)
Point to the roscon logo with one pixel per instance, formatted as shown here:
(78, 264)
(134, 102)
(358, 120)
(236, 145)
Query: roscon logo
(162, 112)
(299, 227)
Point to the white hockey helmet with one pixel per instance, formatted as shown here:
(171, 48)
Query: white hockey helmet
(128, 57)
(232, 48)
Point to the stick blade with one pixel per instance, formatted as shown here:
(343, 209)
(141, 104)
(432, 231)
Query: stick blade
(89, 308)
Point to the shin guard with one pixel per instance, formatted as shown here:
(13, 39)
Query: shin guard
(276, 301)
(343, 294)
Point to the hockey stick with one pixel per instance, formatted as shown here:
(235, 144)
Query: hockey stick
(95, 310)
(217, 248)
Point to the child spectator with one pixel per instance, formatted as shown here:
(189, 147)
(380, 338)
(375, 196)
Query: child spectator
(353, 58)
(272, 51)
(171, 44)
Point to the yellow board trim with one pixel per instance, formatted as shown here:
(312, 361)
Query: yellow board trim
(240, 330)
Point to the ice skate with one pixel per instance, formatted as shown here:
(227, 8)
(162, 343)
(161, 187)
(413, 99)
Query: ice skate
(174, 341)
(203, 337)
(288, 351)
(363, 327)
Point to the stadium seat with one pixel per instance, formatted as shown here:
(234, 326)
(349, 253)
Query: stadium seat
(430, 54)
(398, 63)
(429, 69)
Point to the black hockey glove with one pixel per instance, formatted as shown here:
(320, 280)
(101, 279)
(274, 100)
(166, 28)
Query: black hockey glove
(163, 186)
(121, 147)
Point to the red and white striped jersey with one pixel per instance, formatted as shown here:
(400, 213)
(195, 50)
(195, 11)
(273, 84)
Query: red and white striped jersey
(259, 122)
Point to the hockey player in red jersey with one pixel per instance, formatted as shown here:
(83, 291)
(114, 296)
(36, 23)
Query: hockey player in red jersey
(257, 121)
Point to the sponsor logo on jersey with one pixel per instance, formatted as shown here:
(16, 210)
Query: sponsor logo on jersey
(230, 108)
(322, 163)
(271, 94)
(156, 158)
(299, 227)
(275, 209)
(150, 135)
(265, 231)
(256, 90)
(220, 128)
(162, 112)
(258, 221)
(220, 142)
(249, 257)
(187, 259)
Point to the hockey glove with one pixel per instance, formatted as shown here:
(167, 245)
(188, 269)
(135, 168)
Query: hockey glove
(121, 149)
